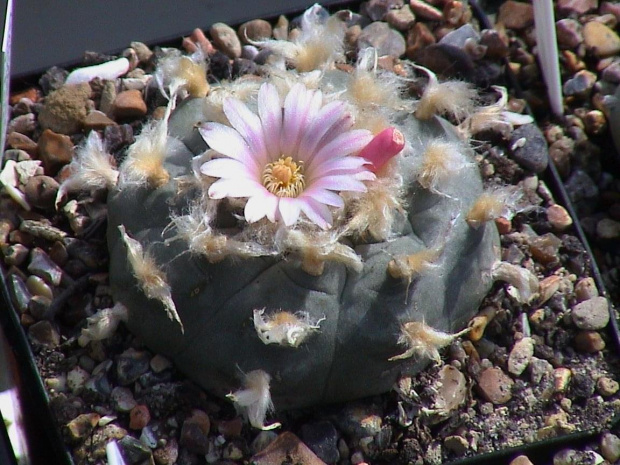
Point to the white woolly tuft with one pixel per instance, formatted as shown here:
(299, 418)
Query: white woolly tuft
(254, 399)
(316, 248)
(151, 279)
(177, 73)
(284, 328)
(242, 89)
(91, 168)
(318, 46)
(441, 163)
(493, 117)
(103, 324)
(454, 98)
(525, 282)
(497, 202)
(144, 164)
(423, 341)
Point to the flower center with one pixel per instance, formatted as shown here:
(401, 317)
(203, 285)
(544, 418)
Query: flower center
(284, 178)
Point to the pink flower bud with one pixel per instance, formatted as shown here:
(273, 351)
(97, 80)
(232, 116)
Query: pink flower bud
(385, 145)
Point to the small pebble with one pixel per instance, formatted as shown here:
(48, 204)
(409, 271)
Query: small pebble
(591, 314)
(401, 19)
(607, 386)
(42, 266)
(41, 191)
(139, 417)
(195, 431)
(561, 379)
(610, 447)
(134, 450)
(97, 120)
(532, 154)
(254, 31)
(168, 454)
(82, 426)
(586, 289)
(545, 248)
(580, 85)
(516, 15)
(600, 39)
(568, 33)
(160, 363)
(383, 38)
(520, 356)
(582, 386)
(22, 142)
(15, 254)
(558, 217)
(225, 39)
(425, 11)
(589, 342)
(322, 438)
(286, 448)
(495, 386)
(44, 333)
(456, 444)
(55, 151)
(76, 378)
(122, 399)
(129, 104)
(130, 365)
(521, 460)
(451, 390)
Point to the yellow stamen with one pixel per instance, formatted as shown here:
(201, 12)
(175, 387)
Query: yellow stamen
(284, 177)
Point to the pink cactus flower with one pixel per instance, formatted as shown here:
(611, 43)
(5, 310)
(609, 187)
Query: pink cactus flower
(287, 161)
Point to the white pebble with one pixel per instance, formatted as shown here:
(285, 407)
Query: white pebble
(109, 70)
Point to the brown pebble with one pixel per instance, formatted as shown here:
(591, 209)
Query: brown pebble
(418, 37)
(600, 39)
(139, 417)
(516, 15)
(504, 225)
(607, 386)
(33, 94)
(558, 217)
(20, 141)
(561, 379)
(255, 30)
(589, 342)
(41, 191)
(456, 13)
(545, 248)
(129, 104)
(97, 120)
(44, 333)
(198, 39)
(401, 19)
(81, 426)
(280, 30)
(495, 386)
(423, 10)
(548, 287)
(55, 151)
(230, 428)
(568, 33)
(595, 122)
(168, 454)
(521, 460)
(586, 289)
(225, 39)
(286, 448)
(456, 444)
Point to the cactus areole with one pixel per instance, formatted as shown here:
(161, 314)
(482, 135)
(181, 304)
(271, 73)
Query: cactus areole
(280, 227)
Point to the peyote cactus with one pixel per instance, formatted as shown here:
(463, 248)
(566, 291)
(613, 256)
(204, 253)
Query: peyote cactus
(307, 236)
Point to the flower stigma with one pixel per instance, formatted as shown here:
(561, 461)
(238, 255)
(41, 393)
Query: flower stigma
(284, 177)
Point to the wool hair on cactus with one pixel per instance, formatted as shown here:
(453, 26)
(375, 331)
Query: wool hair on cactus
(281, 235)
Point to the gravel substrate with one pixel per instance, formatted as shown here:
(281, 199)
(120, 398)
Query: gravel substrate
(527, 372)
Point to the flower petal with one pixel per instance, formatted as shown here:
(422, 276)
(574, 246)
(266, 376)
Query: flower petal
(227, 141)
(296, 107)
(326, 118)
(234, 188)
(248, 125)
(340, 183)
(323, 196)
(227, 168)
(316, 212)
(270, 113)
(343, 164)
(344, 144)
(289, 210)
(261, 205)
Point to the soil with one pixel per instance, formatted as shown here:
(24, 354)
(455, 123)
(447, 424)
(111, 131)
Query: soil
(102, 391)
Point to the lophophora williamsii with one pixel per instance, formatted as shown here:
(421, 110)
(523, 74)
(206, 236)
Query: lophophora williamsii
(302, 237)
